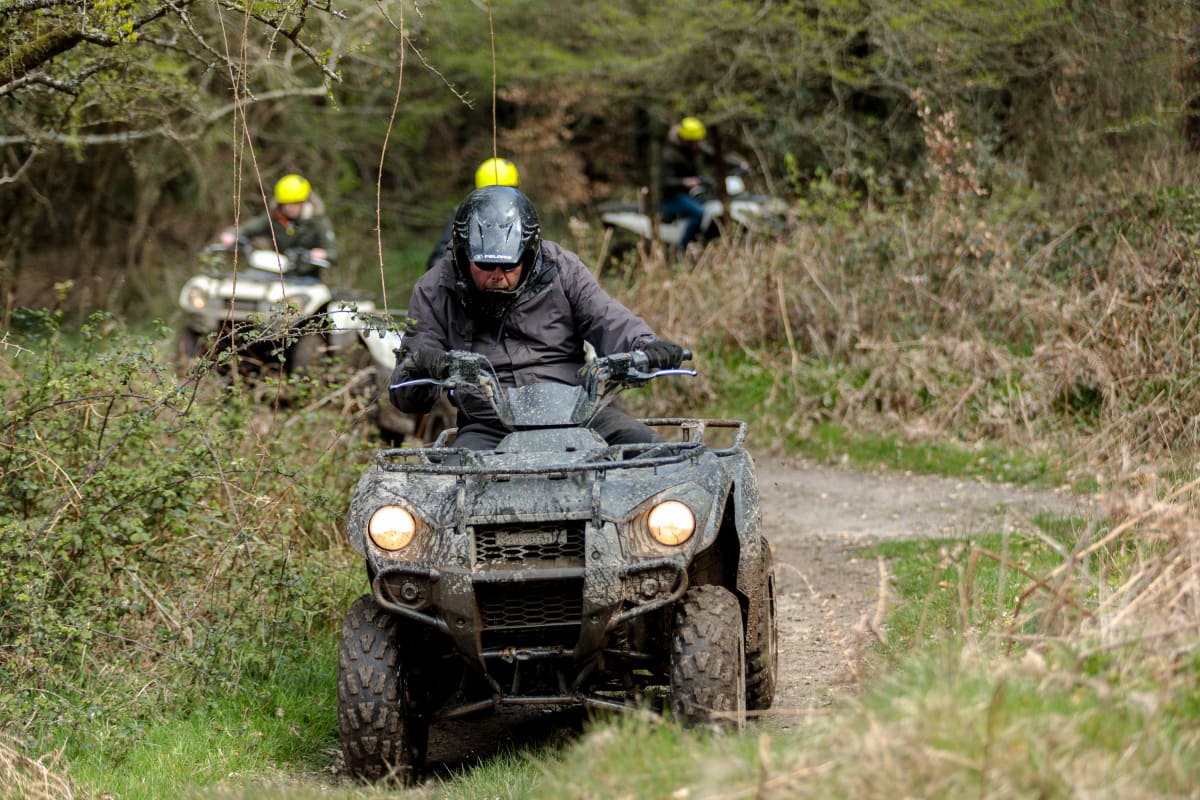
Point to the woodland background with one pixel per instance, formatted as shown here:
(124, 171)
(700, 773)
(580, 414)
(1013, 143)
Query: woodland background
(989, 271)
(131, 128)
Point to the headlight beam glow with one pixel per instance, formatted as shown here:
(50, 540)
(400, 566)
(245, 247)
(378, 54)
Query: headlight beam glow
(671, 523)
(392, 528)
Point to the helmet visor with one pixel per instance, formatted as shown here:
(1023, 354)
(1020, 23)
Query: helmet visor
(492, 243)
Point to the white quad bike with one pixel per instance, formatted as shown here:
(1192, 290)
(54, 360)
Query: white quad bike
(751, 211)
(271, 309)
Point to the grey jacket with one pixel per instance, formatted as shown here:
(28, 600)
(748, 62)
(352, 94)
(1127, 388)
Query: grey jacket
(312, 230)
(540, 337)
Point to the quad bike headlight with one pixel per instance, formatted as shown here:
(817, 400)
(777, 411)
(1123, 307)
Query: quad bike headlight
(671, 523)
(197, 298)
(392, 528)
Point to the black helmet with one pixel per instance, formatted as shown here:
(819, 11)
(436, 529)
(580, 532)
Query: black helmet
(496, 225)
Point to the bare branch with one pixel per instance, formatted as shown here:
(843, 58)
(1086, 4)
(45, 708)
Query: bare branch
(293, 34)
(164, 131)
(16, 176)
(66, 87)
(294, 37)
(21, 6)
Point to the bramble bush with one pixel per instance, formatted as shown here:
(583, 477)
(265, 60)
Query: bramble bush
(167, 528)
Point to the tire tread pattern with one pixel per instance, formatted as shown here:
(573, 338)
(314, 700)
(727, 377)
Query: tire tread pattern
(708, 668)
(376, 741)
(762, 656)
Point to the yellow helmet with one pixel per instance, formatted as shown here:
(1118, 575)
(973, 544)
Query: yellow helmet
(292, 189)
(497, 172)
(691, 129)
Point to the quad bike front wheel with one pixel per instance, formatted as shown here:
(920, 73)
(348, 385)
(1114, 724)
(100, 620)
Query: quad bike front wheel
(380, 721)
(188, 346)
(307, 350)
(708, 659)
(439, 418)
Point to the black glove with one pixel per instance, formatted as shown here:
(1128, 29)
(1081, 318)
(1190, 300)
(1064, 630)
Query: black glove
(661, 354)
(429, 364)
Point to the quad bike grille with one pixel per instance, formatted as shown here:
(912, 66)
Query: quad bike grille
(529, 605)
(547, 543)
(236, 304)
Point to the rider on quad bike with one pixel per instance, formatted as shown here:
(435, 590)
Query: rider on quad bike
(529, 305)
(295, 221)
(263, 292)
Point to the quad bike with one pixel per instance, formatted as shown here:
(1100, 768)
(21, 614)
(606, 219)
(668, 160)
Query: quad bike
(747, 210)
(271, 309)
(554, 571)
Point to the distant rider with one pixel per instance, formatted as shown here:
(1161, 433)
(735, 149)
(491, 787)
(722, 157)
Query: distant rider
(295, 220)
(682, 158)
(527, 305)
(493, 172)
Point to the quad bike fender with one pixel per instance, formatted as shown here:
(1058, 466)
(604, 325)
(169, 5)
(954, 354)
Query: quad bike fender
(630, 220)
(382, 345)
(744, 524)
(345, 322)
(317, 297)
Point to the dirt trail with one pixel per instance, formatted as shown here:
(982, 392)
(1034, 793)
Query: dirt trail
(817, 517)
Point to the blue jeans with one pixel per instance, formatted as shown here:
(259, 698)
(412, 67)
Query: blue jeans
(684, 205)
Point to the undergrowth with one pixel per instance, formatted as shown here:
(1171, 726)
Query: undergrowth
(1066, 331)
(172, 548)
(165, 540)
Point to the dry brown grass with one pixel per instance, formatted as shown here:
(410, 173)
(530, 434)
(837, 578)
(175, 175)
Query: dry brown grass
(915, 325)
(1131, 589)
(29, 778)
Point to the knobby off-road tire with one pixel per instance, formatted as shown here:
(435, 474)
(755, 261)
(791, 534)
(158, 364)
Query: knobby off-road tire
(306, 352)
(189, 346)
(708, 659)
(762, 656)
(383, 736)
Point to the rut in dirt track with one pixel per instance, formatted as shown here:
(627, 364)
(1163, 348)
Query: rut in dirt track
(817, 518)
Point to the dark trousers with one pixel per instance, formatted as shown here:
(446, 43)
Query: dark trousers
(685, 206)
(613, 425)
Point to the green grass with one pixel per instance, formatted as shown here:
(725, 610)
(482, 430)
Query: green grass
(284, 722)
(956, 588)
(749, 391)
(936, 720)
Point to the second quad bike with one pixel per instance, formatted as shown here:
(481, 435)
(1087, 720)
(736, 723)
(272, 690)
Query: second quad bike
(747, 210)
(554, 571)
(271, 309)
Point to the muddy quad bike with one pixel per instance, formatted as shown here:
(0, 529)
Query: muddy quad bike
(271, 309)
(554, 571)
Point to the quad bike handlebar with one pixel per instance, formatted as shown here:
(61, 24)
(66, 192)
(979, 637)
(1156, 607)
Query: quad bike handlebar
(601, 380)
(268, 260)
(623, 369)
